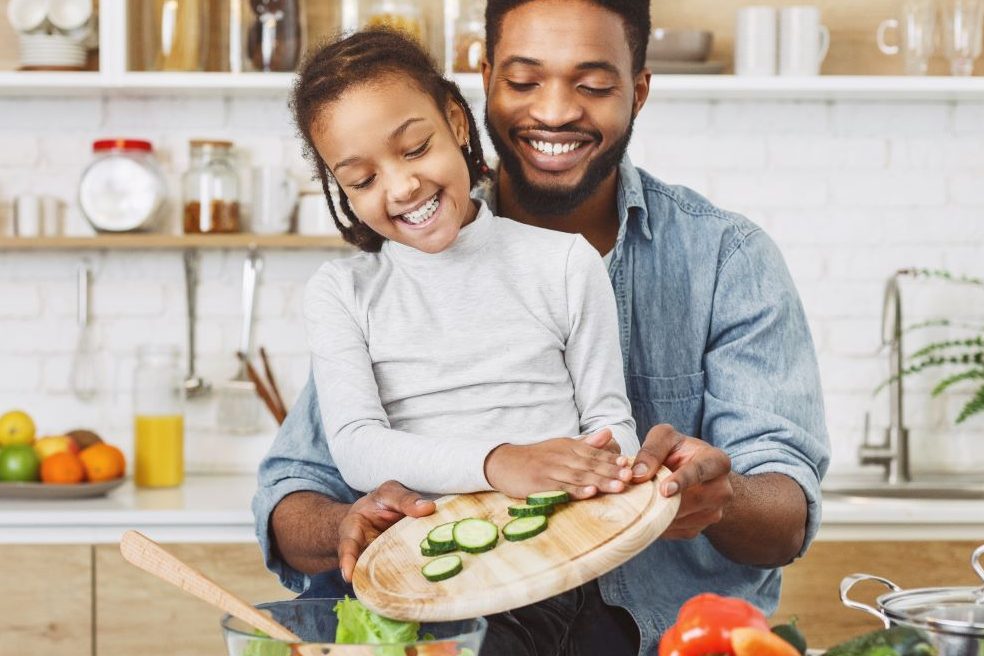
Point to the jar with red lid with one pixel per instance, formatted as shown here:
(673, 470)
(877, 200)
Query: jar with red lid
(122, 189)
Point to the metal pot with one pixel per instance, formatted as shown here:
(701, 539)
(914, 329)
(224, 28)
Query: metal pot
(952, 618)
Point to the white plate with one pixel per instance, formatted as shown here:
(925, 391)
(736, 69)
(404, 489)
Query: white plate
(52, 491)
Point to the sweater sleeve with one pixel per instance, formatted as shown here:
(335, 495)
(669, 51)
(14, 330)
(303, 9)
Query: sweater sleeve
(592, 353)
(367, 451)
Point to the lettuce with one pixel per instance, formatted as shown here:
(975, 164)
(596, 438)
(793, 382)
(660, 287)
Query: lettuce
(357, 625)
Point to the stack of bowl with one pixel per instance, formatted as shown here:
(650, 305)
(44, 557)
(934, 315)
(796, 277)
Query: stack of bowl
(680, 51)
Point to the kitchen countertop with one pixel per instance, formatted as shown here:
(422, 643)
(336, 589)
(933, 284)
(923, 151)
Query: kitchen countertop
(216, 509)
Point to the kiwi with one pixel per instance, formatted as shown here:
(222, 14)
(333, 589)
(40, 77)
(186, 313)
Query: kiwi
(84, 438)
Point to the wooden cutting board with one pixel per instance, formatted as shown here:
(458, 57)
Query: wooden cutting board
(584, 539)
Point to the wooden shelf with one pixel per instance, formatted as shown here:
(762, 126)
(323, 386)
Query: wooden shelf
(663, 87)
(172, 242)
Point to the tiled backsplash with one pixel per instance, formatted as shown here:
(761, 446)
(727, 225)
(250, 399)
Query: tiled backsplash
(850, 191)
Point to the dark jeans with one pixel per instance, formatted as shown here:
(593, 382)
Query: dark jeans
(575, 623)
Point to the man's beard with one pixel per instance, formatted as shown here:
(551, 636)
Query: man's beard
(556, 201)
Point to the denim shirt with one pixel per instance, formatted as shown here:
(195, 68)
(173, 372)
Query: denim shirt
(714, 342)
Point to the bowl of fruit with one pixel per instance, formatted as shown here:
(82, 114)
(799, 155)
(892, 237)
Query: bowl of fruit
(76, 464)
(347, 628)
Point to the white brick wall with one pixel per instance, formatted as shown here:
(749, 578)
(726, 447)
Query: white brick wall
(849, 190)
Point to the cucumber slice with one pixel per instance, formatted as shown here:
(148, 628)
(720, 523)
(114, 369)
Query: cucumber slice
(429, 550)
(524, 528)
(441, 568)
(442, 537)
(526, 510)
(551, 498)
(475, 535)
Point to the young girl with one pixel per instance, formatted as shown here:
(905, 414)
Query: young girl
(459, 351)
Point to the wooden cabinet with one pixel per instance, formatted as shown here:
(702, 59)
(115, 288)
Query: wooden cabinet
(139, 614)
(46, 600)
(811, 585)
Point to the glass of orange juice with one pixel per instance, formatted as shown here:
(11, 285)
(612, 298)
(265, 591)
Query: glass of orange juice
(158, 425)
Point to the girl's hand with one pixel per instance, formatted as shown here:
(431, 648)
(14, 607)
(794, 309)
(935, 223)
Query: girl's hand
(582, 467)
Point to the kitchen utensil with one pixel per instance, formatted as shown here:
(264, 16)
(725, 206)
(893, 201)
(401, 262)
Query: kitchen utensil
(915, 32)
(238, 410)
(139, 550)
(315, 620)
(262, 390)
(194, 384)
(584, 540)
(952, 617)
(274, 200)
(677, 45)
(755, 41)
(962, 30)
(84, 374)
(123, 188)
(803, 41)
(272, 382)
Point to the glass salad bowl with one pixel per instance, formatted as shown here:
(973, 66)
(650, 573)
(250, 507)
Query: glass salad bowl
(316, 621)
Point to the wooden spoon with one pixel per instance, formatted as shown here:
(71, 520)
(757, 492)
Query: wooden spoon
(139, 550)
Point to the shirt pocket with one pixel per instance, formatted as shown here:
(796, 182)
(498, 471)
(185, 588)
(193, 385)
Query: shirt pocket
(674, 400)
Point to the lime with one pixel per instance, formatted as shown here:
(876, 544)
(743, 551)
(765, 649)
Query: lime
(19, 462)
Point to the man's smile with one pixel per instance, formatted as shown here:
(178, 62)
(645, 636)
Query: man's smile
(554, 152)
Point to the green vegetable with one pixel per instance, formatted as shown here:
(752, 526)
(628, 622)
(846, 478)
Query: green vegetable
(474, 535)
(524, 528)
(551, 498)
(896, 641)
(265, 647)
(791, 634)
(357, 625)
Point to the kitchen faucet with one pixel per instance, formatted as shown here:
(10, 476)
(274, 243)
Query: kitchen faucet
(893, 452)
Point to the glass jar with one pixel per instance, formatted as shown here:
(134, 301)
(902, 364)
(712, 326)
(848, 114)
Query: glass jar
(211, 189)
(273, 34)
(403, 15)
(174, 34)
(122, 189)
(469, 37)
(158, 417)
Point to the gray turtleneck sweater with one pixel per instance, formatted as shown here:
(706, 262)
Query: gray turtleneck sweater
(424, 363)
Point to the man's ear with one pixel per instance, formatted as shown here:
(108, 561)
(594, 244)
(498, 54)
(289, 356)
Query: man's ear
(458, 120)
(640, 90)
(486, 75)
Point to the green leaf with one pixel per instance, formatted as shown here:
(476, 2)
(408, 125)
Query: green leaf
(357, 625)
(949, 381)
(934, 361)
(974, 406)
(950, 343)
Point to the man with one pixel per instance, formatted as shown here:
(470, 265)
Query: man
(717, 353)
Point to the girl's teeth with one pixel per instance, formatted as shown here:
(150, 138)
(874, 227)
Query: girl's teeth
(425, 212)
(548, 148)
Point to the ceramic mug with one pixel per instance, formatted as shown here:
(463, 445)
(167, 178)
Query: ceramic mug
(27, 16)
(274, 200)
(69, 15)
(804, 41)
(755, 41)
(314, 217)
(28, 215)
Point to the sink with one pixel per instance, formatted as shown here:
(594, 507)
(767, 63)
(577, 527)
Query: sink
(914, 491)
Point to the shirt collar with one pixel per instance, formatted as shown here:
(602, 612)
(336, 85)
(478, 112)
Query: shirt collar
(631, 200)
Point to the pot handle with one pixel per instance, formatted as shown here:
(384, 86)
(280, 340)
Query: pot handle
(977, 561)
(850, 581)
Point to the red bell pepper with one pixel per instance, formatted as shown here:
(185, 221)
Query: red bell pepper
(704, 626)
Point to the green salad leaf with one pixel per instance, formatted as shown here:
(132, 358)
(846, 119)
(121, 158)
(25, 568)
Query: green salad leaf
(265, 647)
(357, 625)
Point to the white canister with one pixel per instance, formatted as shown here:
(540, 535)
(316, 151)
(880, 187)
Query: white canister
(755, 41)
(803, 41)
(314, 217)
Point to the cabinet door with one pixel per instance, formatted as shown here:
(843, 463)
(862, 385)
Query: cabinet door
(137, 613)
(45, 600)
(810, 589)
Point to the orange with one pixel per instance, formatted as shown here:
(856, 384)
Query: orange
(63, 467)
(102, 462)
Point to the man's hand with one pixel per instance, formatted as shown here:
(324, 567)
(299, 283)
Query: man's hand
(700, 474)
(368, 517)
(582, 467)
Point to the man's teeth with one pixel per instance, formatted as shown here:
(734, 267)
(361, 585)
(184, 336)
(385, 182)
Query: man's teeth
(422, 213)
(548, 148)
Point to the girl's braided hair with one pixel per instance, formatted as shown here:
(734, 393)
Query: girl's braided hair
(361, 58)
